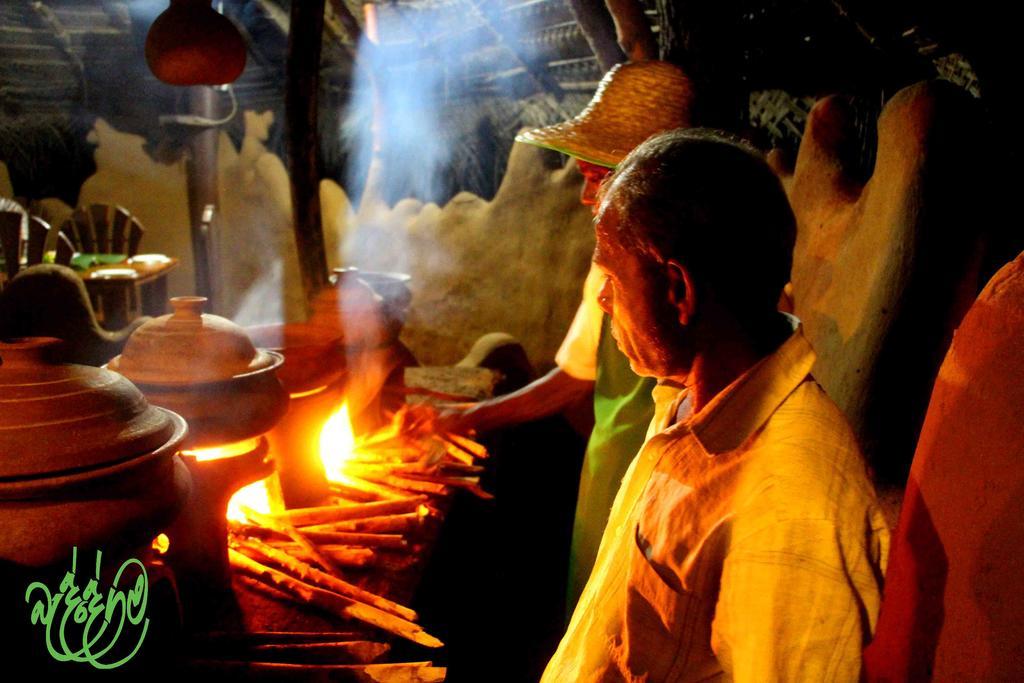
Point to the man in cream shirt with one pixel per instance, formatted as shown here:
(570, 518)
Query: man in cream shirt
(745, 542)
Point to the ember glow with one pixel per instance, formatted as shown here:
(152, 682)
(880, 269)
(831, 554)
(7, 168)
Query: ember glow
(337, 442)
(161, 544)
(227, 451)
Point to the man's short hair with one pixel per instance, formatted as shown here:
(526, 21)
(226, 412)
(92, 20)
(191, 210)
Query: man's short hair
(712, 203)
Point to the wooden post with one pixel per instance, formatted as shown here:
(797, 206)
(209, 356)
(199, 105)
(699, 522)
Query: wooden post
(632, 29)
(599, 30)
(201, 179)
(303, 145)
(704, 39)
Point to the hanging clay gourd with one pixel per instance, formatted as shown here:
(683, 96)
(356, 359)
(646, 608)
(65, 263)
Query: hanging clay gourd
(191, 44)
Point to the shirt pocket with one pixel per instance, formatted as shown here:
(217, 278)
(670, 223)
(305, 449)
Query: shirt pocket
(670, 596)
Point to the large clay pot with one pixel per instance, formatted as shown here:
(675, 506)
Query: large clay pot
(206, 369)
(366, 308)
(312, 354)
(84, 460)
(191, 44)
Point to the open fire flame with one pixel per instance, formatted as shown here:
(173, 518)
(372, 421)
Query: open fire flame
(337, 442)
(336, 445)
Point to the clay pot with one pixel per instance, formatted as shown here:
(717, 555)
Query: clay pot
(205, 368)
(84, 459)
(312, 354)
(198, 550)
(191, 44)
(367, 308)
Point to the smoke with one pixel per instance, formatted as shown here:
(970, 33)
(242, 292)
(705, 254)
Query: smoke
(417, 120)
(420, 94)
(263, 302)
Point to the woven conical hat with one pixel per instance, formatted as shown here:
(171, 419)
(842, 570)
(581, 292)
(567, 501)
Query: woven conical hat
(633, 102)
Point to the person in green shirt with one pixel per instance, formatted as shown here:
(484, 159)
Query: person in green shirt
(633, 102)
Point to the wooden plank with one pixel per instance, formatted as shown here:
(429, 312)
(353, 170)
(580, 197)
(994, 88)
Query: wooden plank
(100, 214)
(10, 240)
(119, 230)
(38, 232)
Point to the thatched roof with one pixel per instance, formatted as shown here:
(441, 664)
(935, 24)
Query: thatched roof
(507, 63)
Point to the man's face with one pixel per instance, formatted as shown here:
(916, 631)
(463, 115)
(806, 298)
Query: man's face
(593, 176)
(644, 323)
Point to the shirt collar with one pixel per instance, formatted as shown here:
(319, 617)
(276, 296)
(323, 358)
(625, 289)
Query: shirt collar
(743, 406)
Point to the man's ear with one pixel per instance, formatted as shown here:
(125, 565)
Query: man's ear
(681, 293)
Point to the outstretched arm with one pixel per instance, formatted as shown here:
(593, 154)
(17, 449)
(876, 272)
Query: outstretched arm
(540, 398)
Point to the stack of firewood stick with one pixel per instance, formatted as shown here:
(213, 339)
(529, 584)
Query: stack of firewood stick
(301, 555)
(411, 456)
(393, 485)
(302, 656)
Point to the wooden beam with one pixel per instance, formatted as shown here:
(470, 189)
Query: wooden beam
(302, 86)
(510, 41)
(598, 28)
(339, 14)
(63, 40)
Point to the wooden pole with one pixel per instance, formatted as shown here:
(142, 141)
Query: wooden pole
(633, 30)
(599, 30)
(304, 163)
(201, 175)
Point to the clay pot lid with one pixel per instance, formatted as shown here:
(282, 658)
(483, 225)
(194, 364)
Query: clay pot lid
(190, 347)
(57, 418)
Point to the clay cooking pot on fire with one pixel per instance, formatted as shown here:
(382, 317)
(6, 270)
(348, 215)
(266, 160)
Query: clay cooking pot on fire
(84, 459)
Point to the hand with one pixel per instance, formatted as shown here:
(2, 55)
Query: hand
(461, 418)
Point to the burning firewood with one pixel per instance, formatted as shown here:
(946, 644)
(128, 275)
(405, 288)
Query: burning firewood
(397, 482)
(264, 553)
(471, 484)
(344, 555)
(458, 456)
(264, 589)
(468, 445)
(384, 489)
(411, 672)
(294, 534)
(400, 524)
(430, 480)
(446, 468)
(318, 538)
(330, 601)
(230, 639)
(308, 648)
(337, 513)
(354, 493)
